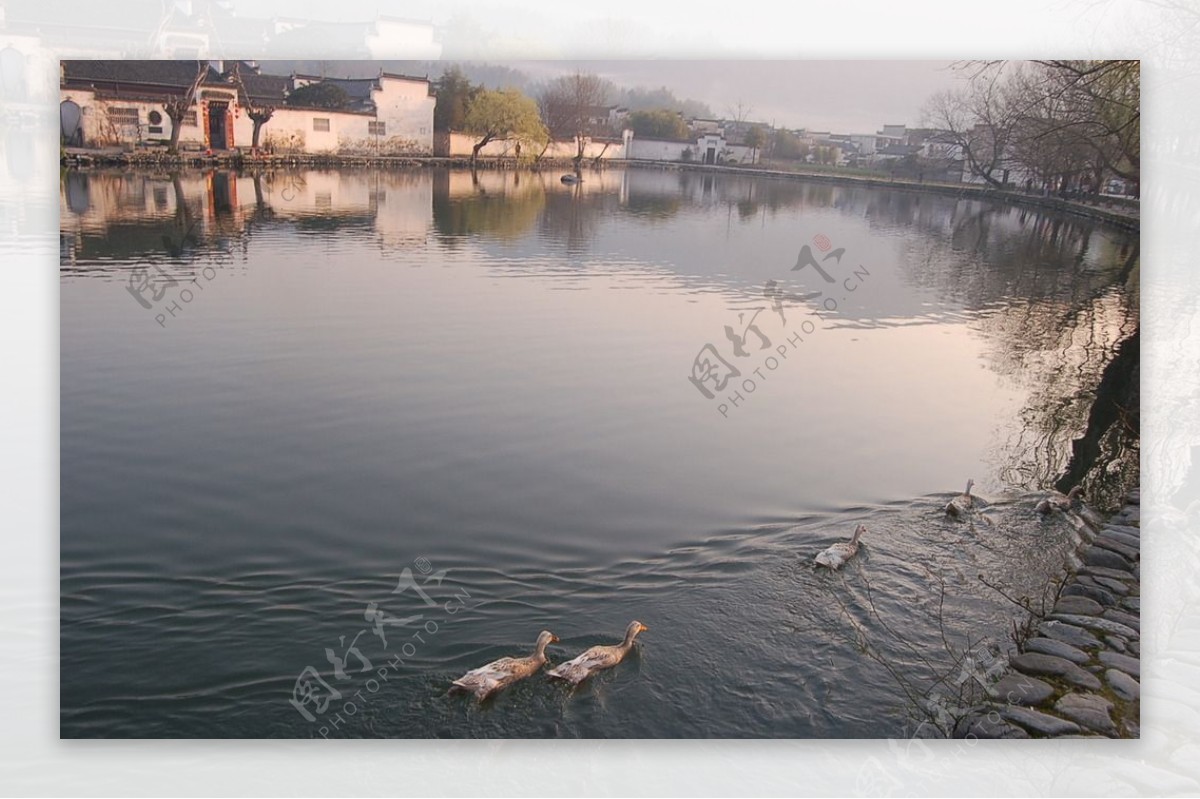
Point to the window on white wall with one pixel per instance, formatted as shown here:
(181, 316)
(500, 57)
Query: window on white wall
(123, 116)
(377, 128)
(320, 124)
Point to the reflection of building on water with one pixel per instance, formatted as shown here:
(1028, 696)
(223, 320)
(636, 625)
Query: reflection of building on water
(108, 214)
(1059, 347)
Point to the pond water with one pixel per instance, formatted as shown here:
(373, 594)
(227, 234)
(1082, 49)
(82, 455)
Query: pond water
(316, 420)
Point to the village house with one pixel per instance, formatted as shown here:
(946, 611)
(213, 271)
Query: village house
(122, 104)
(606, 119)
(710, 141)
(825, 147)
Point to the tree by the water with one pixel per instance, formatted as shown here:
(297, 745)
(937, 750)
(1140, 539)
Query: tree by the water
(454, 94)
(177, 107)
(502, 115)
(259, 114)
(756, 137)
(1068, 125)
(570, 107)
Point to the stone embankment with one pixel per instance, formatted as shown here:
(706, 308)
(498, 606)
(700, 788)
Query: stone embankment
(1079, 673)
(81, 158)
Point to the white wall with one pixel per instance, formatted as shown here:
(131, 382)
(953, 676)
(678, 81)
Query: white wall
(461, 144)
(658, 150)
(866, 143)
(406, 109)
(742, 154)
(291, 130)
(99, 129)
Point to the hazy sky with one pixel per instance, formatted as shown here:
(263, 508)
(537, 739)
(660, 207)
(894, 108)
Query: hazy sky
(845, 96)
(842, 96)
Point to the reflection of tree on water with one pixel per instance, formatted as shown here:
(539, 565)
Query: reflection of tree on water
(1111, 438)
(1053, 296)
(507, 210)
(653, 207)
(655, 196)
(573, 217)
(183, 234)
(1072, 346)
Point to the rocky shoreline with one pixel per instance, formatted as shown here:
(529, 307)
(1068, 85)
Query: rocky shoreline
(1079, 673)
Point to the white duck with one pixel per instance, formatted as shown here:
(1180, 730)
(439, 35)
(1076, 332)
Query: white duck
(963, 504)
(598, 657)
(1057, 502)
(486, 680)
(834, 556)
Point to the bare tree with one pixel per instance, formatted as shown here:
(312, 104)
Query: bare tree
(1045, 142)
(1069, 123)
(259, 115)
(1101, 108)
(739, 112)
(571, 108)
(177, 107)
(979, 118)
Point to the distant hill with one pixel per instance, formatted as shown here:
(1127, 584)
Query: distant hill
(493, 76)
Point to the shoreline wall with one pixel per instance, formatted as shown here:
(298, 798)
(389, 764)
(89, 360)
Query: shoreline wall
(75, 158)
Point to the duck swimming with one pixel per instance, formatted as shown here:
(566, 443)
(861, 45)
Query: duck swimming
(961, 505)
(597, 658)
(486, 680)
(1057, 502)
(834, 556)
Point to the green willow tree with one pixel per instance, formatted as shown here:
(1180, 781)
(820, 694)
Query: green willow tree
(497, 115)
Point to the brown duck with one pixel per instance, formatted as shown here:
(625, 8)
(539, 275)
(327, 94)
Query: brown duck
(487, 680)
(598, 658)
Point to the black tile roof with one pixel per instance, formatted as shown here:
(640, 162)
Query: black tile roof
(266, 88)
(159, 73)
(355, 88)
